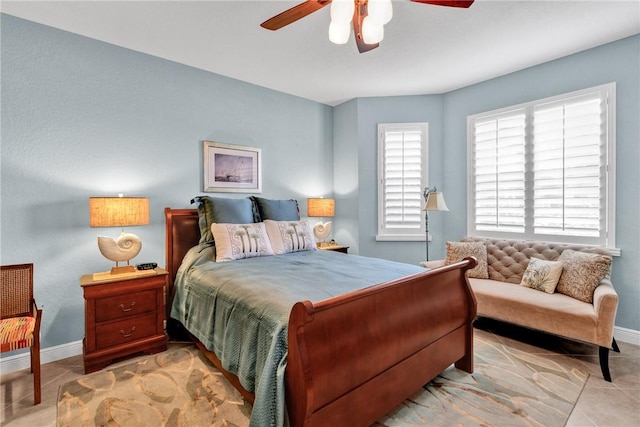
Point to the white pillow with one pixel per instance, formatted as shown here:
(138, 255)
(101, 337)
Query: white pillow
(237, 241)
(542, 275)
(290, 236)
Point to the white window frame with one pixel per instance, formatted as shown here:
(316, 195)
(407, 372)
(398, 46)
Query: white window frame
(417, 233)
(607, 93)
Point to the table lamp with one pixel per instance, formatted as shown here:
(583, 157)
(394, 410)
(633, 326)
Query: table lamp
(321, 208)
(119, 212)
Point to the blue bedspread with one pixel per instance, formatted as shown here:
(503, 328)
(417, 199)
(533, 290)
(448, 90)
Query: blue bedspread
(240, 309)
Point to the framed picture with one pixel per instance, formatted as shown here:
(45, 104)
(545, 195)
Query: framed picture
(232, 168)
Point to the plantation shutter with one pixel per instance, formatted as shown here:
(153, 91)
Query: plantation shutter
(545, 170)
(403, 165)
(499, 172)
(569, 161)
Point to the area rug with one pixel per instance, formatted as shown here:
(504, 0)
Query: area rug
(174, 388)
(509, 387)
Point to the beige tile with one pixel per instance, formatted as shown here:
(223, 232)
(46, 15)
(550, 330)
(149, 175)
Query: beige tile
(625, 371)
(627, 350)
(34, 416)
(608, 407)
(634, 393)
(579, 419)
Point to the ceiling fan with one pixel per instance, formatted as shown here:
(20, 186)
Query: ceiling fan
(367, 17)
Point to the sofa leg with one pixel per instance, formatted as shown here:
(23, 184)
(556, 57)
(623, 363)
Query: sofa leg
(604, 363)
(614, 344)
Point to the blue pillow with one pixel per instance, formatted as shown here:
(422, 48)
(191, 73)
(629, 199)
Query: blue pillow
(220, 210)
(276, 210)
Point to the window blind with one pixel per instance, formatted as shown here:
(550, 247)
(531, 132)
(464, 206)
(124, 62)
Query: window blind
(499, 170)
(403, 168)
(568, 165)
(545, 170)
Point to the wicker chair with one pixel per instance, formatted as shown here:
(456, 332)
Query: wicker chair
(20, 317)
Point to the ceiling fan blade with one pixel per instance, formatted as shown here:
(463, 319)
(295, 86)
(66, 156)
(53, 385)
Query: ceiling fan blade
(450, 3)
(293, 14)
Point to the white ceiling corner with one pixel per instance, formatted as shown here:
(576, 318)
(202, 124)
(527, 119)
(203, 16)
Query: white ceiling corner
(426, 50)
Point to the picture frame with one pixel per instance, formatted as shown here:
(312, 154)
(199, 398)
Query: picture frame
(232, 168)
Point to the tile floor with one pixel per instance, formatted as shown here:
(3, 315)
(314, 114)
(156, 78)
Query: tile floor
(600, 404)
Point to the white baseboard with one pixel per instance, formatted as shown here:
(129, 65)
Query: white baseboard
(51, 354)
(626, 335)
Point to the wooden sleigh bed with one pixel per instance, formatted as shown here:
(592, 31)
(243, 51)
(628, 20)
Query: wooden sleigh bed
(355, 357)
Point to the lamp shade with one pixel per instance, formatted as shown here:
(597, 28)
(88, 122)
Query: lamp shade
(118, 211)
(321, 207)
(435, 202)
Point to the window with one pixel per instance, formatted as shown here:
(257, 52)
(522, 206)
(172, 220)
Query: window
(402, 172)
(545, 170)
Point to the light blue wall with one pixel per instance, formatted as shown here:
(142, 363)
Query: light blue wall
(615, 62)
(84, 118)
(402, 109)
(447, 116)
(345, 173)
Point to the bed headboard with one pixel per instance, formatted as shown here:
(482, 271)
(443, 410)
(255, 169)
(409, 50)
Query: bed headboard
(183, 233)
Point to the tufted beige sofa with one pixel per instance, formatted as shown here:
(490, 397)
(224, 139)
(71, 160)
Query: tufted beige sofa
(501, 297)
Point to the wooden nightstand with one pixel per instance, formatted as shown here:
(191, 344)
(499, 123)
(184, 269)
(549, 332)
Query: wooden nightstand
(333, 247)
(123, 316)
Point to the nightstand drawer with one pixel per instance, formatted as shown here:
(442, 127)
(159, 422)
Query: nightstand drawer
(124, 331)
(120, 306)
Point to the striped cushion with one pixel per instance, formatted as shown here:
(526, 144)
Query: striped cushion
(16, 332)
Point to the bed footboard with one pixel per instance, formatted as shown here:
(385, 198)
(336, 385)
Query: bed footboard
(357, 356)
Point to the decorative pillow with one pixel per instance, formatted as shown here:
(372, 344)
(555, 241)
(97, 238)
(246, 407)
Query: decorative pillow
(542, 275)
(276, 210)
(220, 210)
(290, 236)
(237, 241)
(457, 251)
(582, 273)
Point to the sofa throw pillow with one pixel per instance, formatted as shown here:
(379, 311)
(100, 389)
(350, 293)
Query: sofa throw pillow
(290, 236)
(238, 241)
(542, 275)
(582, 273)
(457, 251)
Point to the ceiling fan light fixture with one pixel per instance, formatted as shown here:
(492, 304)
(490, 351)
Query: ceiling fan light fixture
(372, 32)
(342, 11)
(339, 32)
(380, 11)
(376, 14)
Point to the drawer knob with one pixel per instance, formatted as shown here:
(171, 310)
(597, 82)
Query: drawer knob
(125, 335)
(124, 310)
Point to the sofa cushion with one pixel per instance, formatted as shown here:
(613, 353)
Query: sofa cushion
(457, 251)
(554, 313)
(582, 273)
(542, 275)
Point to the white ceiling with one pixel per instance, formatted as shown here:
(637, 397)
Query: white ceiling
(426, 50)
